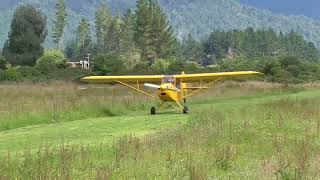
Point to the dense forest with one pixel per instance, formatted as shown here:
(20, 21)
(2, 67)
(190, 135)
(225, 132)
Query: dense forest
(196, 17)
(143, 41)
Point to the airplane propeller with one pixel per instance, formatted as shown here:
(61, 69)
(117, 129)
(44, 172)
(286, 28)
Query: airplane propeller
(153, 86)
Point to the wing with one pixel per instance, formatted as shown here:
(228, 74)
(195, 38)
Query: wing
(124, 79)
(214, 76)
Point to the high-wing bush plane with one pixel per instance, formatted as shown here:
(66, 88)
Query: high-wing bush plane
(170, 88)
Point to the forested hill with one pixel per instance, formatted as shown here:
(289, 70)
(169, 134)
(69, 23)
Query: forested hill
(198, 17)
(308, 8)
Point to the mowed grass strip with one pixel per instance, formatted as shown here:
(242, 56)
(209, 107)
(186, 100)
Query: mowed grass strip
(89, 131)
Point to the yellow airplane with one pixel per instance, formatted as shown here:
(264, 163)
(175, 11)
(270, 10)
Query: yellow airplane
(172, 88)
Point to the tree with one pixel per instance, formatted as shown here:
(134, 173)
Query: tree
(114, 34)
(128, 31)
(103, 19)
(28, 32)
(3, 62)
(59, 23)
(128, 48)
(191, 50)
(70, 49)
(153, 33)
(83, 38)
(110, 63)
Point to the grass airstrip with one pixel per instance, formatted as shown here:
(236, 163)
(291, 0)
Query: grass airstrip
(236, 130)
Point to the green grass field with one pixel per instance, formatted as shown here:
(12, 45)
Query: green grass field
(235, 131)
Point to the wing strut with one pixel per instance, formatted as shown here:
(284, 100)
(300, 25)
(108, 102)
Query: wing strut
(137, 89)
(202, 88)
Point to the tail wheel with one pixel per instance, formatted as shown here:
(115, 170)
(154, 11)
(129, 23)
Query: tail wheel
(153, 111)
(185, 110)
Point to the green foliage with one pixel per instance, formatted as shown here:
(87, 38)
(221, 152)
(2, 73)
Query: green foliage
(197, 18)
(83, 38)
(3, 62)
(128, 32)
(284, 69)
(128, 48)
(253, 44)
(114, 34)
(70, 50)
(160, 66)
(28, 32)
(30, 73)
(191, 50)
(12, 74)
(103, 19)
(153, 34)
(176, 66)
(59, 23)
(50, 61)
(142, 42)
(107, 64)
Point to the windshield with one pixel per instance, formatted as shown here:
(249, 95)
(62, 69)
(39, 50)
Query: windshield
(168, 80)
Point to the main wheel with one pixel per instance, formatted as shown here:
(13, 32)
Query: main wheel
(185, 110)
(153, 111)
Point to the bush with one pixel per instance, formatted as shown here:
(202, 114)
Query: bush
(12, 74)
(193, 67)
(176, 66)
(108, 64)
(50, 61)
(160, 66)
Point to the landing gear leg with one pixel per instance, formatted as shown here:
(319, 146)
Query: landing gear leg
(185, 109)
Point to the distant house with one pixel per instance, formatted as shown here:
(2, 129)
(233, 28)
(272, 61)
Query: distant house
(85, 64)
(79, 64)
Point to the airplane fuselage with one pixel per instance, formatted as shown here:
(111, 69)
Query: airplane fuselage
(167, 94)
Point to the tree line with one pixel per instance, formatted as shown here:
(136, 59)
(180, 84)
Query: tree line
(142, 41)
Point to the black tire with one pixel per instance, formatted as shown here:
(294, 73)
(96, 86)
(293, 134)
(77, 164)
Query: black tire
(185, 110)
(153, 111)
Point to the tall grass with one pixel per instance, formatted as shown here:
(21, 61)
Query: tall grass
(25, 104)
(271, 140)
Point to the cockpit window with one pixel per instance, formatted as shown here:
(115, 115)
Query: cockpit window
(168, 80)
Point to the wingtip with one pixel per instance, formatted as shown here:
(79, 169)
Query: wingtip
(85, 79)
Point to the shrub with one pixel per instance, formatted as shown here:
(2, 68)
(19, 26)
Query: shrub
(193, 67)
(12, 74)
(176, 66)
(106, 64)
(160, 66)
(50, 61)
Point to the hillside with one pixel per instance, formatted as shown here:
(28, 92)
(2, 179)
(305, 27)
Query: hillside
(308, 8)
(198, 17)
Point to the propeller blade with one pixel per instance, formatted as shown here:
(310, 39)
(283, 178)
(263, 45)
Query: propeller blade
(174, 89)
(153, 86)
